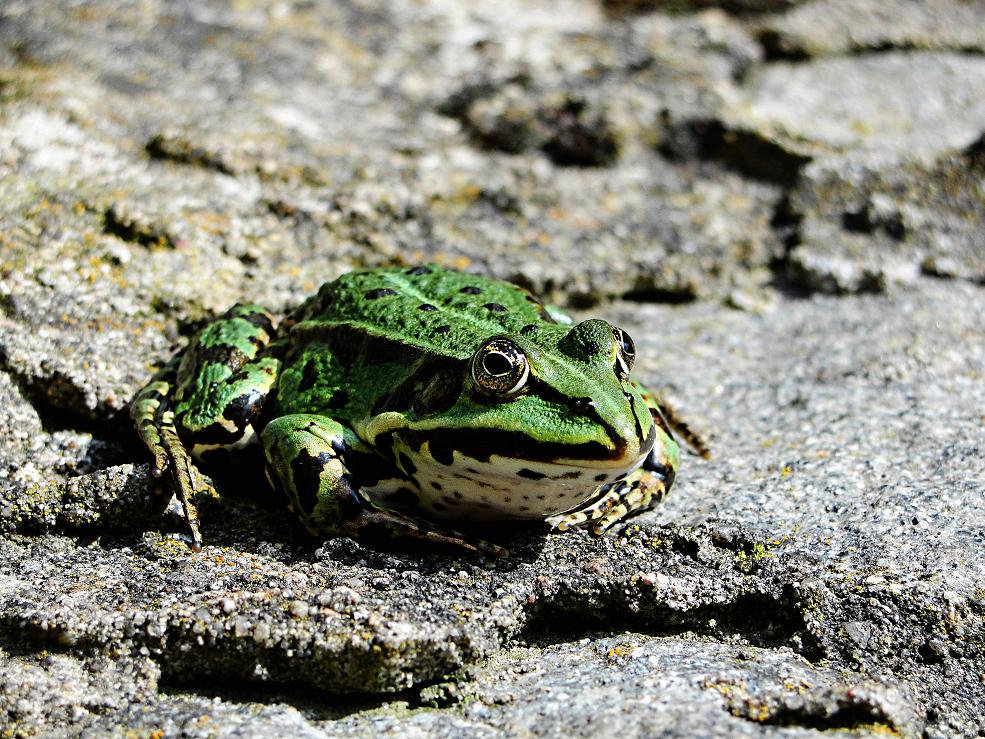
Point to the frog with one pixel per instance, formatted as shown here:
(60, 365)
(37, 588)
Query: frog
(412, 402)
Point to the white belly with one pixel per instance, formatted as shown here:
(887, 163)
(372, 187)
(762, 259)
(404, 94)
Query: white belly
(500, 489)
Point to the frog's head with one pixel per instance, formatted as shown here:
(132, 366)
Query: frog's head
(533, 422)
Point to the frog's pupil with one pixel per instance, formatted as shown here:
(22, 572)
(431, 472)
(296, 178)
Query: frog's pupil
(628, 347)
(497, 364)
(626, 352)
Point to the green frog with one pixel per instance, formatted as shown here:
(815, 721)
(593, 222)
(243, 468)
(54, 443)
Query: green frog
(400, 402)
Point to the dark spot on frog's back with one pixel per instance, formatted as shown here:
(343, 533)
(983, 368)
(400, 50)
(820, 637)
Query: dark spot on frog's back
(407, 464)
(338, 400)
(306, 470)
(528, 329)
(470, 290)
(442, 329)
(380, 292)
(426, 307)
(223, 354)
(309, 376)
(417, 271)
(405, 499)
(244, 409)
(495, 307)
(261, 321)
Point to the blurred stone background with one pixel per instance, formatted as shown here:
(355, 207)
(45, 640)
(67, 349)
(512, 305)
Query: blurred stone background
(782, 201)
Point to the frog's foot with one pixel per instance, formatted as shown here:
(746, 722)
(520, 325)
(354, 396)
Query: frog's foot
(684, 431)
(154, 419)
(613, 503)
(147, 409)
(305, 460)
(187, 481)
(376, 524)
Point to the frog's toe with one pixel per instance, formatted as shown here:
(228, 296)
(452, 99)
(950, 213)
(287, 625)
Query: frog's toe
(621, 510)
(376, 524)
(185, 479)
(159, 465)
(641, 496)
(587, 513)
(613, 504)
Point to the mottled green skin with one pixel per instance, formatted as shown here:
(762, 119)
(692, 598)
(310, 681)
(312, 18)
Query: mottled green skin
(398, 318)
(368, 410)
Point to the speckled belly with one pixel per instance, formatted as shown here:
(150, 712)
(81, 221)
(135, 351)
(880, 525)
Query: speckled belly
(498, 489)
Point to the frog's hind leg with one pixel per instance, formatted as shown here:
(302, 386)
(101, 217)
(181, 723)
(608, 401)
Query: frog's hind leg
(661, 410)
(305, 457)
(206, 398)
(154, 419)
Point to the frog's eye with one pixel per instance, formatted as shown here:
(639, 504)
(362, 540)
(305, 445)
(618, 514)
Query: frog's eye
(500, 368)
(625, 352)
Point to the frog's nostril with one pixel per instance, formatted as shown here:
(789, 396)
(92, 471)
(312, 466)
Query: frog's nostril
(587, 341)
(583, 404)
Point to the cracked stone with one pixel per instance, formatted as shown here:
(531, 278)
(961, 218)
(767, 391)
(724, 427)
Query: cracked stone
(913, 104)
(828, 27)
(820, 573)
(868, 224)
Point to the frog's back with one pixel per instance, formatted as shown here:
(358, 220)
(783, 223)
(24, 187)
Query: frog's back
(364, 342)
(435, 310)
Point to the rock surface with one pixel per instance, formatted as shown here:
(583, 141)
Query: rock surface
(783, 202)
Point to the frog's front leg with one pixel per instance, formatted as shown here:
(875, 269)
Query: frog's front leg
(305, 457)
(638, 491)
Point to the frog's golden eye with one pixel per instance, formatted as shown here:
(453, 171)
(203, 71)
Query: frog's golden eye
(500, 368)
(625, 352)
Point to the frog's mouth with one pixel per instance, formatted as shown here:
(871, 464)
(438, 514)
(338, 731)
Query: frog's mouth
(482, 445)
(485, 476)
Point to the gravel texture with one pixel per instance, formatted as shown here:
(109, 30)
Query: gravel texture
(782, 202)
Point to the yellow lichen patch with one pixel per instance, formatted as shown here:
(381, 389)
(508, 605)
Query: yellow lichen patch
(621, 651)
